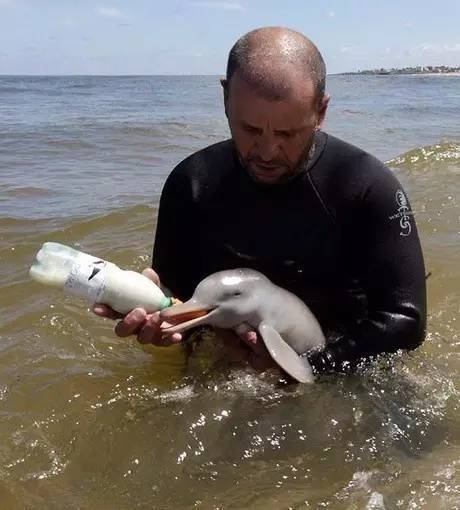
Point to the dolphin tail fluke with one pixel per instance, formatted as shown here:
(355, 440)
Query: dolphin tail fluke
(296, 366)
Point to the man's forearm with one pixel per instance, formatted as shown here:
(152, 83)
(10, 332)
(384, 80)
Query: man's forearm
(336, 356)
(389, 333)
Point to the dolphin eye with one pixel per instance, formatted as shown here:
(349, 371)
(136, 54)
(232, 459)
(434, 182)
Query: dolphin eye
(237, 293)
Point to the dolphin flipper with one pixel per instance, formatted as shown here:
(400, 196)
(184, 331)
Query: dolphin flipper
(296, 366)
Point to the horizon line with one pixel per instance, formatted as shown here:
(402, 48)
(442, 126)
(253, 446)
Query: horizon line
(219, 75)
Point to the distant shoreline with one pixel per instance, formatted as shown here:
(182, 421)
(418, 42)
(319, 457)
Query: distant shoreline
(410, 71)
(456, 73)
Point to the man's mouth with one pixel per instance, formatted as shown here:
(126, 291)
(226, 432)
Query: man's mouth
(266, 167)
(267, 173)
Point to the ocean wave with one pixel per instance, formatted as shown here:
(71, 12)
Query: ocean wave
(349, 111)
(13, 90)
(123, 235)
(83, 131)
(7, 222)
(427, 157)
(30, 90)
(70, 143)
(119, 216)
(29, 191)
(114, 214)
(58, 228)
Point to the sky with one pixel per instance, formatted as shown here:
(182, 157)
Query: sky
(194, 36)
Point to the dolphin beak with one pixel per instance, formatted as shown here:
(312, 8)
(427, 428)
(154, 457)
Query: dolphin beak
(185, 316)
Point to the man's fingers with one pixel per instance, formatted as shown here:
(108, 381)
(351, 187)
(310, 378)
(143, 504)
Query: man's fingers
(106, 311)
(131, 323)
(249, 336)
(244, 331)
(138, 322)
(151, 275)
(150, 333)
(259, 357)
(175, 338)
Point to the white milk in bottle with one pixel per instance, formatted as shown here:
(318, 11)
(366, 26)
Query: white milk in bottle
(96, 280)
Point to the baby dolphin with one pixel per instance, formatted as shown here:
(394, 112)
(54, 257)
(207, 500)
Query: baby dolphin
(228, 299)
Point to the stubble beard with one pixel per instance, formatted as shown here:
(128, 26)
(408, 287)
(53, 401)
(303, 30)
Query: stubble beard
(300, 167)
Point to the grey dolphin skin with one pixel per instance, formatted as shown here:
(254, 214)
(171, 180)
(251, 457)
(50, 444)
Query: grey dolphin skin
(228, 299)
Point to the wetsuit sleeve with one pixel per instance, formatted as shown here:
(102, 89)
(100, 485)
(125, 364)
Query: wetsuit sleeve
(388, 252)
(173, 252)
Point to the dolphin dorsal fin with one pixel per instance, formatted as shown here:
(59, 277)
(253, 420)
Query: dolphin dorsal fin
(284, 355)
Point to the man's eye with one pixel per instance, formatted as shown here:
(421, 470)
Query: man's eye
(285, 134)
(251, 129)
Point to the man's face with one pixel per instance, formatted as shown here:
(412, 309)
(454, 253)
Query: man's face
(273, 137)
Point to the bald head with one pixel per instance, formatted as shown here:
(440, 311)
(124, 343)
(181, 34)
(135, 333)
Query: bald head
(268, 59)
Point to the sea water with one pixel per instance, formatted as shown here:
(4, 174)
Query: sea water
(89, 420)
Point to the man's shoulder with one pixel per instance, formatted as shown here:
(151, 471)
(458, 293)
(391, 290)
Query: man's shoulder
(345, 176)
(349, 156)
(218, 155)
(348, 165)
(203, 172)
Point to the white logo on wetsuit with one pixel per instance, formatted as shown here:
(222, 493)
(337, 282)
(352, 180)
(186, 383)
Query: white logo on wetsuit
(403, 213)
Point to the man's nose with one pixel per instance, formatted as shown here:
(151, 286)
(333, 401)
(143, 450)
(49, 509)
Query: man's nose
(267, 147)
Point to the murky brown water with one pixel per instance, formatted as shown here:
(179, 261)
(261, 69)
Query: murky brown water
(92, 421)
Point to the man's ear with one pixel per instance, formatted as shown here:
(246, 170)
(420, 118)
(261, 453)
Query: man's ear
(224, 83)
(322, 108)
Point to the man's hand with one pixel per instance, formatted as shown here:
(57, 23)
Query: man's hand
(146, 326)
(259, 357)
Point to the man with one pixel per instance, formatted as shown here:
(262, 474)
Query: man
(318, 216)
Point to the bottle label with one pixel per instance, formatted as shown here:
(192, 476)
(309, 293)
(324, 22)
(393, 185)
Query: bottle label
(87, 278)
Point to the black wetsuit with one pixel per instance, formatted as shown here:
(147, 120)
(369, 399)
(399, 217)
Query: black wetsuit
(340, 236)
